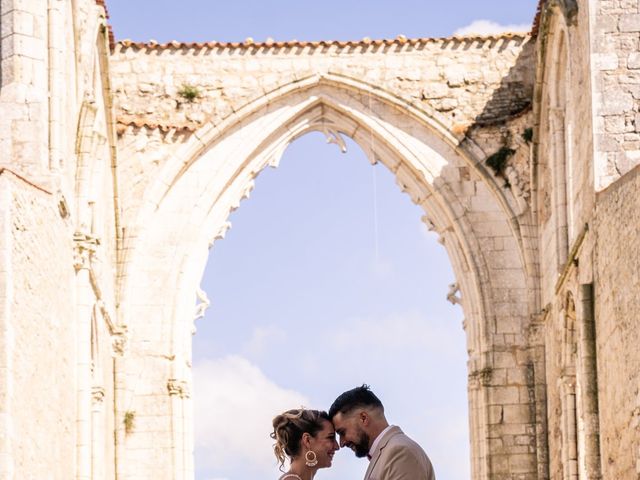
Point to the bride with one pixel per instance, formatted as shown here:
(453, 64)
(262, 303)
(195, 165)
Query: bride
(307, 438)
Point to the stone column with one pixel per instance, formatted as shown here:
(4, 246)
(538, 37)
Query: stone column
(589, 375)
(98, 446)
(57, 81)
(180, 394)
(84, 247)
(558, 165)
(478, 427)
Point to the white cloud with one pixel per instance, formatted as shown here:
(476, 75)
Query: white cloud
(234, 405)
(263, 339)
(487, 27)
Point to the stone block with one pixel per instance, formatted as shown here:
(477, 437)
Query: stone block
(509, 324)
(629, 23)
(435, 91)
(455, 75)
(517, 414)
(617, 102)
(496, 444)
(504, 360)
(516, 376)
(27, 46)
(633, 60)
(18, 22)
(606, 61)
(632, 158)
(506, 278)
(482, 203)
(504, 395)
(629, 79)
(498, 376)
(608, 143)
(495, 414)
(520, 464)
(606, 23)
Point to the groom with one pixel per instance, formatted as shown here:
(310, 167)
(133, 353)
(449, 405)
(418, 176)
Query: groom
(358, 417)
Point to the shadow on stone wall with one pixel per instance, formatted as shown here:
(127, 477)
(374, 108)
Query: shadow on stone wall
(514, 96)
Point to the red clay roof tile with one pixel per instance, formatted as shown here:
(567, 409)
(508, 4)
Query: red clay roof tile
(250, 43)
(535, 29)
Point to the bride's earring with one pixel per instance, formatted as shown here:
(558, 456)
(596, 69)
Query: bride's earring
(311, 459)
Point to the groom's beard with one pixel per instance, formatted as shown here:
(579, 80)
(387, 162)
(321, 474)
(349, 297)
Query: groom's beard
(361, 448)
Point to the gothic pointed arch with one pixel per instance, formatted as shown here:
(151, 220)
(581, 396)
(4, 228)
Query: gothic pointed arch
(555, 162)
(187, 208)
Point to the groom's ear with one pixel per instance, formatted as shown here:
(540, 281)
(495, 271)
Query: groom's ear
(364, 418)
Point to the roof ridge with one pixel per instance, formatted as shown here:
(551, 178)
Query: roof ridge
(269, 43)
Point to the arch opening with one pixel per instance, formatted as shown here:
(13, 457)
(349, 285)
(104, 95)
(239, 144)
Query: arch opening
(319, 314)
(206, 181)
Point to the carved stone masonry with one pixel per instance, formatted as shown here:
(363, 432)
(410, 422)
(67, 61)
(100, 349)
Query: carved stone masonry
(178, 387)
(221, 232)
(97, 394)
(431, 226)
(333, 136)
(85, 245)
(452, 296)
(201, 307)
(119, 342)
(480, 378)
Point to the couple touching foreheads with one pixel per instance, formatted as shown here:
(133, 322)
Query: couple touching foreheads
(308, 439)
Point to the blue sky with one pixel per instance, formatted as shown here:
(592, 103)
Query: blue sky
(328, 279)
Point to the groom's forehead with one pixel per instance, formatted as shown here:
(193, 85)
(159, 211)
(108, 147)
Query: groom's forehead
(340, 419)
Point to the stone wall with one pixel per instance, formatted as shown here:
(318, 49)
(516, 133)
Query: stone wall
(617, 306)
(465, 79)
(58, 242)
(564, 205)
(38, 335)
(615, 45)
(23, 87)
(448, 77)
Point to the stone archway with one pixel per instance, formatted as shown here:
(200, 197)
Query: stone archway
(187, 207)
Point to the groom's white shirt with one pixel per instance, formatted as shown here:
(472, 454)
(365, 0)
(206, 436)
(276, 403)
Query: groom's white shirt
(377, 441)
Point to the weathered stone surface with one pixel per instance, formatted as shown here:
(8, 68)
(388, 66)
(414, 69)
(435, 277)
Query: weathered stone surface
(616, 278)
(630, 23)
(103, 240)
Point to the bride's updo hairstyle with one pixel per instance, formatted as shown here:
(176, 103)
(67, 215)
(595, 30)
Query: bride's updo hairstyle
(289, 427)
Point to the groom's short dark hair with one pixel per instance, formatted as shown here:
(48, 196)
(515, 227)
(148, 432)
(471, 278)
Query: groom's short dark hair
(355, 398)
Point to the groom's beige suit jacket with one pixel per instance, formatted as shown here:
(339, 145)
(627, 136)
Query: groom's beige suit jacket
(397, 457)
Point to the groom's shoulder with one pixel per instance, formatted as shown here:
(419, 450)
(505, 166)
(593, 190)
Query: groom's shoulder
(401, 439)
